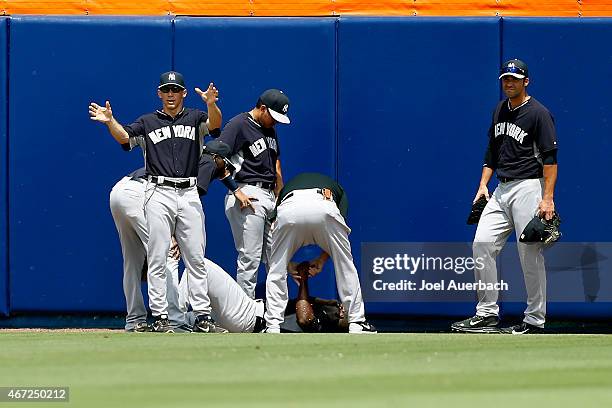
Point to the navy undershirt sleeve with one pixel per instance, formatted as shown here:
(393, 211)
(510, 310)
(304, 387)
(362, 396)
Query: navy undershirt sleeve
(549, 157)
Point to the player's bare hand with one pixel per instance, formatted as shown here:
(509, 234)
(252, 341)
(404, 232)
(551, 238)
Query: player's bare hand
(546, 208)
(99, 113)
(293, 272)
(292, 268)
(245, 201)
(210, 96)
(315, 267)
(175, 251)
(482, 191)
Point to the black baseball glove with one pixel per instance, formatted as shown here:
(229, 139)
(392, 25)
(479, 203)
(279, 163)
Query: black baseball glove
(542, 230)
(477, 208)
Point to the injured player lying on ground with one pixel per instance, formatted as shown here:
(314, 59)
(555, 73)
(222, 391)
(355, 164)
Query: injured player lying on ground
(237, 312)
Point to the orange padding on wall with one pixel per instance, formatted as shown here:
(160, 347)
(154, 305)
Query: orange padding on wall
(552, 8)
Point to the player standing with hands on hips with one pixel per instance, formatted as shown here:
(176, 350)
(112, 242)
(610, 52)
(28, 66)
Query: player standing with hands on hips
(172, 143)
(255, 154)
(522, 151)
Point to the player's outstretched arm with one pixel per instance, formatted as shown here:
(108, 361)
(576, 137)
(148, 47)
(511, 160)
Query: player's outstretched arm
(104, 114)
(304, 312)
(210, 98)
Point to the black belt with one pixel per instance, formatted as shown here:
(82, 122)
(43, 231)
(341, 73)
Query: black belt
(508, 179)
(260, 324)
(170, 183)
(262, 184)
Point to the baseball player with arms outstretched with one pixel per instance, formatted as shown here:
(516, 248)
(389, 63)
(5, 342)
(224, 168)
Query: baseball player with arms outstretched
(255, 155)
(522, 150)
(311, 210)
(172, 144)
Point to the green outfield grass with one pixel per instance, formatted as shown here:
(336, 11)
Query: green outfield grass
(114, 369)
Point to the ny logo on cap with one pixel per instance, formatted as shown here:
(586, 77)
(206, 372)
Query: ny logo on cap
(285, 108)
(171, 76)
(511, 65)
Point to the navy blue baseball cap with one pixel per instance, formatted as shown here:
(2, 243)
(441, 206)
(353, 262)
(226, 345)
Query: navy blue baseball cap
(171, 78)
(277, 103)
(515, 68)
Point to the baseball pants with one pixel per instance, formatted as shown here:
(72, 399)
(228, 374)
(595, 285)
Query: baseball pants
(126, 203)
(307, 218)
(173, 211)
(231, 307)
(251, 231)
(511, 207)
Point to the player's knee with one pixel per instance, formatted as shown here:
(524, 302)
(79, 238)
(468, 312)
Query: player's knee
(484, 248)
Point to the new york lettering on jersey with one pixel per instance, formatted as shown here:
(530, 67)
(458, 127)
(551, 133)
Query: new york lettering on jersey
(510, 129)
(260, 145)
(172, 145)
(166, 132)
(519, 136)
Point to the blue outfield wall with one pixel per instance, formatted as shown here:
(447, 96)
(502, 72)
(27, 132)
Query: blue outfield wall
(65, 254)
(414, 103)
(396, 108)
(4, 293)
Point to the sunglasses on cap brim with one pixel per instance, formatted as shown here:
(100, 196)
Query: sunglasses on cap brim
(512, 70)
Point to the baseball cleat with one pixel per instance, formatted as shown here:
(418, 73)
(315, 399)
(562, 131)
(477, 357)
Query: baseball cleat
(206, 324)
(141, 327)
(477, 324)
(523, 328)
(362, 328)
(162, 325)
